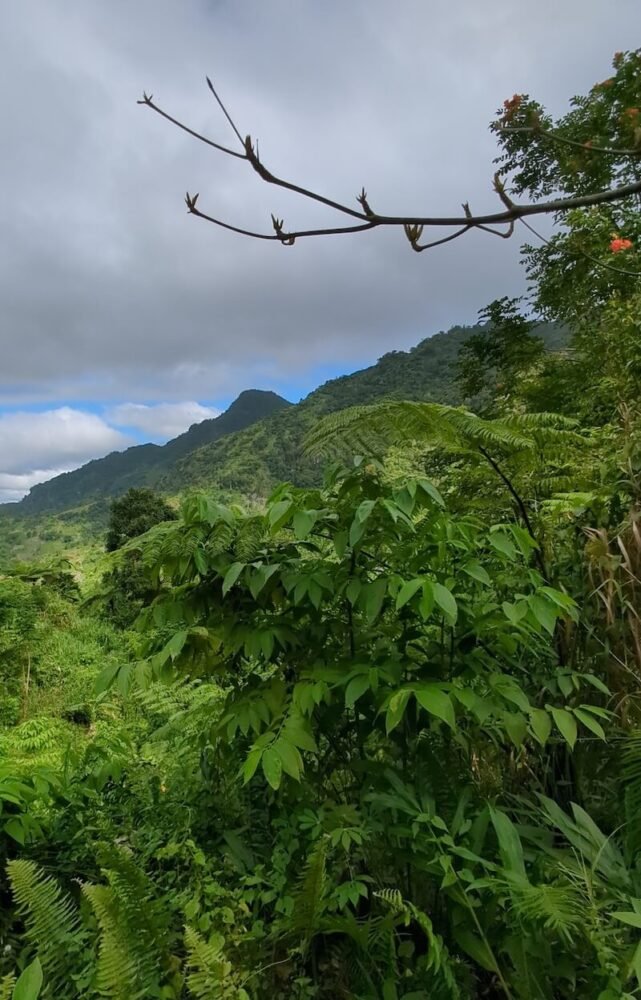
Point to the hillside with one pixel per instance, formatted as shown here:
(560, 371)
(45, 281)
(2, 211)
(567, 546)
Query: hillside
(145, 465)
(255, 444)
(253, 461)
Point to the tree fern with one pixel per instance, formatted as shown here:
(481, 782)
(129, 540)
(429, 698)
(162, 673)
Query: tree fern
(51, 919)
(373, 429)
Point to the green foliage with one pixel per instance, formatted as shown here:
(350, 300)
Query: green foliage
(377, 738)
(133, 514)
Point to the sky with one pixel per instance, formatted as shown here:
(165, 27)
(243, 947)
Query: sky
(122, 318)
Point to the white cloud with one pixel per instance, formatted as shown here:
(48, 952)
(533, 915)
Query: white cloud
(160, 421)
(35, 447)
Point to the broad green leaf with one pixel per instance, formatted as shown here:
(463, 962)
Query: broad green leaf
(515, 726)
(509, 842)
(260, 577)
(355, 689)
(566, 723)
(340, 543)
(364, 510)
(426, 603)
(503, 544)
(231, 576)
(357, 528)
(541, 724)
(279, 514)
(446, 601)
(272, 767)
(290, 757)
(200, 561)
(514, 612)
(297, 733)
(596, 682)
(106, 678)
(389, 990)
(435, 701)
(477, 572)
(508, 688)
(303, 523)
(374, 593)
(174, 647)
(407, 591)
(544, 612)
(352, 591)
(396, 709)
(476, 948)
(14, 825)
(251, 764)
(628, 917)
(30, 982)
(430, 490)
(590, 722)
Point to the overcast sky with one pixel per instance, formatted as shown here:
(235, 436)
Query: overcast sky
(123, 318)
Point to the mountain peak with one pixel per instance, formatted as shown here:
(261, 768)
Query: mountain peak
(143, 465)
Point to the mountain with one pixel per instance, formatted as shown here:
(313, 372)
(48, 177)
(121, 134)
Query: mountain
(256, 459)
(145, 465)
(257, 442)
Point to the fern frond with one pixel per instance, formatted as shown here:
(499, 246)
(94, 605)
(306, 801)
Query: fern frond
(438, 961)
(208, 969)
(310, 897)
(557, 908)
(6, 986)
(373, 429)
(133, 934)
(51, 918)
(116, 971)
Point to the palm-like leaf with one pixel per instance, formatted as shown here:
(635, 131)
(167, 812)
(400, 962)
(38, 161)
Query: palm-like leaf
(373, 429)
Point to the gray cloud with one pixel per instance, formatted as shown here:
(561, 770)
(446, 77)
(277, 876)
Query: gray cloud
(111, 292)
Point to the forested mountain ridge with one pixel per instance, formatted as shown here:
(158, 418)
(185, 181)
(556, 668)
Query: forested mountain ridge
(257, 441)
(254, 460)
(143, 465)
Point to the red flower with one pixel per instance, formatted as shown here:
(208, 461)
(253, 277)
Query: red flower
(512, 105)
(617, 245)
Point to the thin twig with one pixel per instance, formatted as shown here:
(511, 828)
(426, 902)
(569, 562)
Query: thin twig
(148, 102)
(225, 111)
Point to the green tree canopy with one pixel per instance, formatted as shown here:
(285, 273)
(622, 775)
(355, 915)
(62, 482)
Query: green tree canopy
(133, 514)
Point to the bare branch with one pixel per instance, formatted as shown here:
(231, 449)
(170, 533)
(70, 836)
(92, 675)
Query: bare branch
(287, 239)
(413, 226)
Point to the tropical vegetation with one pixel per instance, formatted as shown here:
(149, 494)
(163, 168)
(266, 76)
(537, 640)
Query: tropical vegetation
(377, 735)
